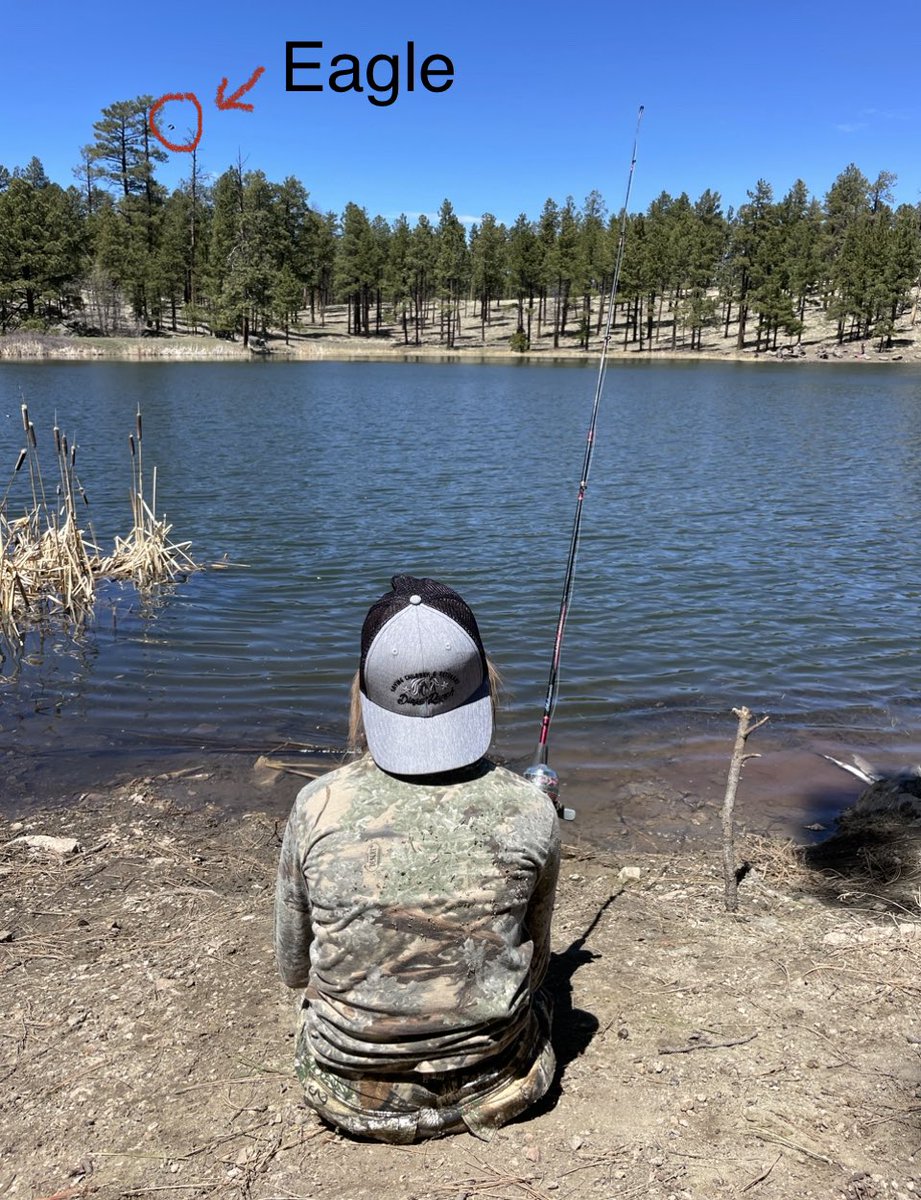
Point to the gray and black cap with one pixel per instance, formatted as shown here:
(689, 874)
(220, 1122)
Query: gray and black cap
(424, 683)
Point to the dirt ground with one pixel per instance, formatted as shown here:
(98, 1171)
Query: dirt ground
(146, 1042)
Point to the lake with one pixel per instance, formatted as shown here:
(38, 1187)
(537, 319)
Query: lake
(750, 536)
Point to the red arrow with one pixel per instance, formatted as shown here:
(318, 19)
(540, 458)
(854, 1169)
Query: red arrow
(234, 100)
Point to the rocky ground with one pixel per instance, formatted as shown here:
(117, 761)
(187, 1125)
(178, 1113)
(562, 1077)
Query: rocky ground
(146, 1042)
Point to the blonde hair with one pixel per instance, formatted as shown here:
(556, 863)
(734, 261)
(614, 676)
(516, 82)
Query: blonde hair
(358, 743)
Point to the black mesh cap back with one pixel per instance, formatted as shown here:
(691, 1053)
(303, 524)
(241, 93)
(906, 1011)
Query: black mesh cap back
(436, 595)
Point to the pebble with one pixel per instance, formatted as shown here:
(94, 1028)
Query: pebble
(51, 845)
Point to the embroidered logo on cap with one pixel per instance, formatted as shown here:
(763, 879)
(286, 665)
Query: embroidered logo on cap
(425, 687)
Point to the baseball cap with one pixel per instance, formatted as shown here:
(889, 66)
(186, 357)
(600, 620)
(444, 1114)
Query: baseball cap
(423, 680)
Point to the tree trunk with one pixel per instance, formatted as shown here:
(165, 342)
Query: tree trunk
(743, 320)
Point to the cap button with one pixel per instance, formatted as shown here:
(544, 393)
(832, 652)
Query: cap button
(414, 599)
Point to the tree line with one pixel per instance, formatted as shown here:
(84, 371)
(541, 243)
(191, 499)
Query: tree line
(237, 257)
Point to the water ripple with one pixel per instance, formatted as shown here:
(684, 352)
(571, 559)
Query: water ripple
(749, 534)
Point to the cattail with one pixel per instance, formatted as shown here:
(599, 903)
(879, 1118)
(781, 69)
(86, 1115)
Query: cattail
(25, 417)
(139, 424)
(57, 440)
(131, 444)
(30, 429)
(21, 459)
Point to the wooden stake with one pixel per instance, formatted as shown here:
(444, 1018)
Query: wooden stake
(745, 728)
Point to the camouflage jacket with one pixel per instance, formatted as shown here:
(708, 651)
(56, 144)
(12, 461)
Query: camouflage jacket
(416, 914)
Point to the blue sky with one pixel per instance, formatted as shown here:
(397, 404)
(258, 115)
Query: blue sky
(544, 100)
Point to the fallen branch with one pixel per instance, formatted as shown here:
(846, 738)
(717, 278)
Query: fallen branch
(73, 1191)
(219, 1141)
(707, 1045)
(169, 1187)
(766, 1136)
(744, 730)
(764, 1174)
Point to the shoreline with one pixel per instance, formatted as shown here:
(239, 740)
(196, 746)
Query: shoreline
(654, 783)
(331, 344)
(102, 350)
(147, 1042)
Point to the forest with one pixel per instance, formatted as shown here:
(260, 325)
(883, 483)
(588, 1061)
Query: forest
(242, 256)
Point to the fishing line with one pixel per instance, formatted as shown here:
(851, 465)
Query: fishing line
(539, 772)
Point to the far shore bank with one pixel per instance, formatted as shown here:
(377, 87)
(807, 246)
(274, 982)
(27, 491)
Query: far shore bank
(33, 348)
(476, 342)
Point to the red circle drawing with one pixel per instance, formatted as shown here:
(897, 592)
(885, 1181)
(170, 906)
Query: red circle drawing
(155, 108)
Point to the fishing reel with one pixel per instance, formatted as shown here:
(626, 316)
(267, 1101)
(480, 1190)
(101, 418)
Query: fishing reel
(546, 780)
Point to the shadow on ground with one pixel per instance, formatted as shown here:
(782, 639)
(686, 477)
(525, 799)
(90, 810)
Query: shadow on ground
(573, 1028)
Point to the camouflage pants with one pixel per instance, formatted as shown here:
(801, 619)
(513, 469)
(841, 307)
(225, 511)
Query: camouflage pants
(401, 1108)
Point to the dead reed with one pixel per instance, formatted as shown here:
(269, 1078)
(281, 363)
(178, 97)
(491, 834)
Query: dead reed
(50, 566)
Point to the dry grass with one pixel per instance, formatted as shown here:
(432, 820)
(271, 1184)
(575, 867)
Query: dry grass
(50, 566)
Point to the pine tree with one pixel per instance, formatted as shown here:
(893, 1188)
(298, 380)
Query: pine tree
(846, 209)
(320, 243)
(226, 302)
(398, 274)
(86, 174)
(41, 248)
(903, 263)
(171, 263)
(569, 264)
(286, 293)
(356, 263)
(548, 232)
(751, 245)
(199, 219)
(123, 150)
(658, 274)
(33, 173)
(801, 223)
(487, 265)
(451, 270)
(423, 260)
(706, 233)
(380, 250)
(595, 264)
(524, 271)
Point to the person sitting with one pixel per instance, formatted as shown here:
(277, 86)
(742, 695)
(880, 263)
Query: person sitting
(415, 892)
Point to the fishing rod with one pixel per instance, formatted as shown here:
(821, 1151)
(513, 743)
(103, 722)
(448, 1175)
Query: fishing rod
(540, 773)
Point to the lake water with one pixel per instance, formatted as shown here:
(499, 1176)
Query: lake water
(750, 536)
